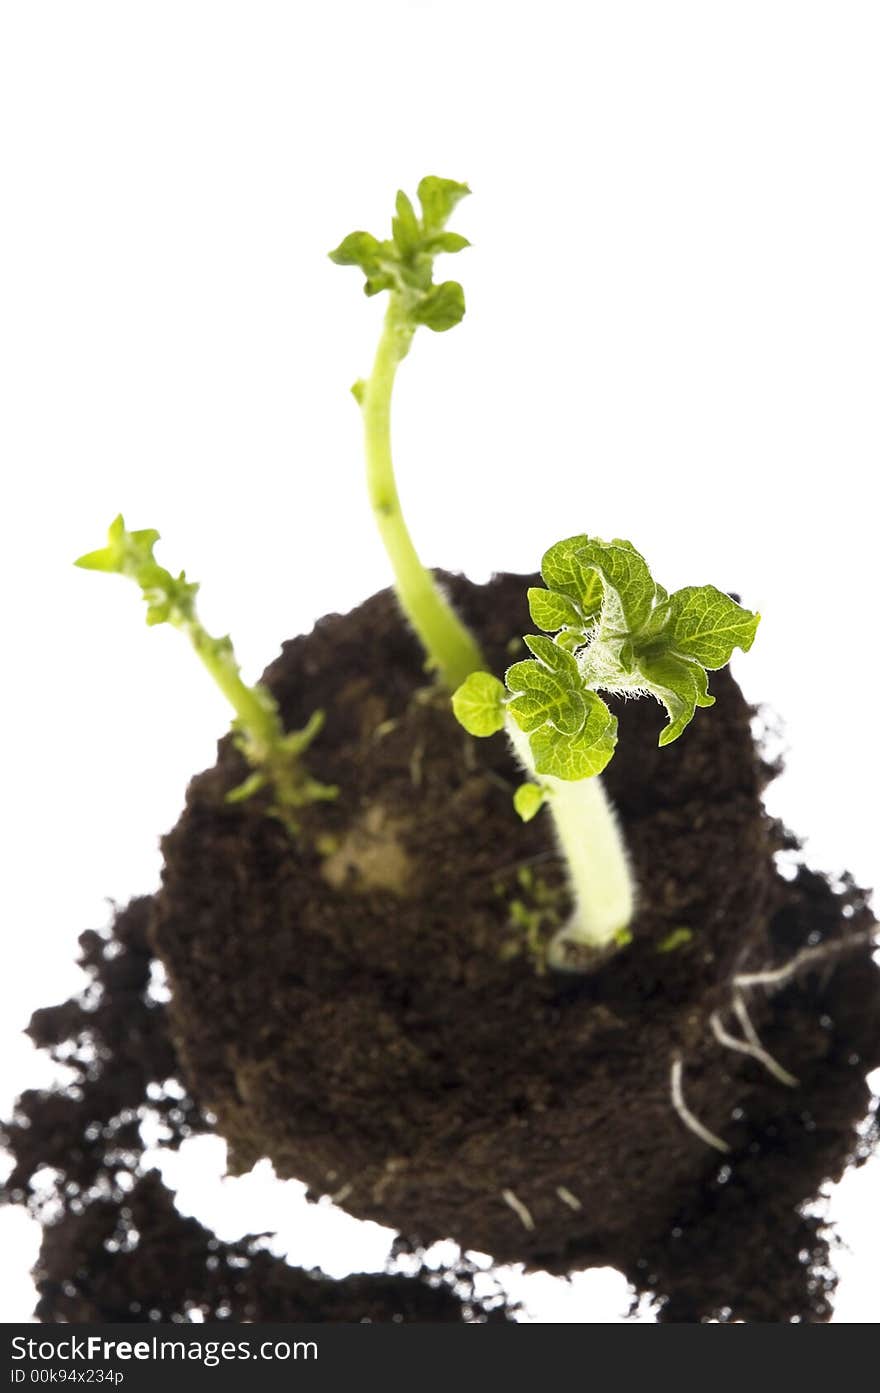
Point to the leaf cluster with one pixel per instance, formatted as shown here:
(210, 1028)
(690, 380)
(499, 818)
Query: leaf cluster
(614, 630)
(170, 599)
(404, 263)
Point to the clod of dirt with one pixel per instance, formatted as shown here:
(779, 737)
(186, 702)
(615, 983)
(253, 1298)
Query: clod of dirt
(114, 1247)
(393, 1040)
(139, 1260)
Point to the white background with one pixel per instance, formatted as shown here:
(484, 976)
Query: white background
(672, 334)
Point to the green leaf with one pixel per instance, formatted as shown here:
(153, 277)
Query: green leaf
(540, 698)
(294, 742)
(438, 198)
(478, 704)
(447, 242)
(681, 685)
(629, 588)
(580, 756)
(671, 942)
(607, 577)
(551, 610)
(553, 657)
(405, 263)
(127, 554)
(252, 784)
(562, 569)
(547, 690)
(104, 560)
(358, 249)
(382, 280)
(528, 800)
(707, 625)
(442, 307)
(629, 636)
(405, 226)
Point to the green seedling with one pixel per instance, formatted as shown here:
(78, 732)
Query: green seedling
(535, 912)
(606, 625)
(676, 940)
(609, 627)
(404, 267)
(275, 755)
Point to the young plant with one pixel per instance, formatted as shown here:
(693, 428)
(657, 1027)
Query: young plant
(614, 630)
(273, 753)
(404, 266)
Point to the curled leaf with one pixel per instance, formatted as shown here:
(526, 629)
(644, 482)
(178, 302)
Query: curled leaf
(681, 685)
(616, 630)
(442, 307)
(580, 756)
(547, 689)
(438, 197)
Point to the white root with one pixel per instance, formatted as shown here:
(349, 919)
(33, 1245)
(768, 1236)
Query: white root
(568, 1198)
(692, 1123)
(778, 976)
(519, 1209)
(741, 1012)
(415, 765)
(751, 1045)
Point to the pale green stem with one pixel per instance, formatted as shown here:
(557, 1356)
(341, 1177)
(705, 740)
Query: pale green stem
(450, 647)
(592, 844)
(257, 718)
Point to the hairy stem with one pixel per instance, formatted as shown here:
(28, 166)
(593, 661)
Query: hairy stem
(451, 648)
(601, 881)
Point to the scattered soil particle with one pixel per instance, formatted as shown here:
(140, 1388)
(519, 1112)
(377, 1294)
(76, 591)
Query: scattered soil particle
(114, 1247)
(387, 1033)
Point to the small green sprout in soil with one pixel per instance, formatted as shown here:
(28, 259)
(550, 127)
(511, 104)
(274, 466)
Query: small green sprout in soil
(678, 939)
(275, 755)
(614, 630)
(535, 912)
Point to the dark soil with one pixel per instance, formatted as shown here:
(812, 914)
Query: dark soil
(114, 1247)
(361, 1006)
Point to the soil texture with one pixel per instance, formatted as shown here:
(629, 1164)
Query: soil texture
(365, 1005)
(115, 1248)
